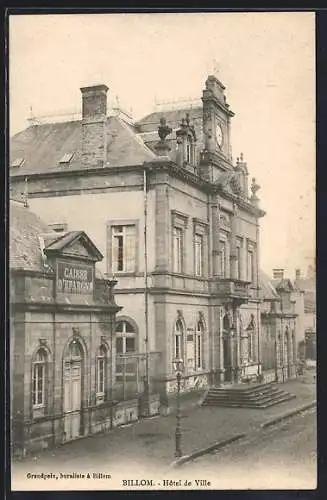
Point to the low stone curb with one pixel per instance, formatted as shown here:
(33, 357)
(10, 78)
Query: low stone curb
(289, 414)
(203, 451)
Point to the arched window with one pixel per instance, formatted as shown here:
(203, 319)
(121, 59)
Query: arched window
(39, 378)
(101, 368)
(125, 337)
(178, 339)
(199, 345)
(189, 150)
(125, 345)
(74, 350)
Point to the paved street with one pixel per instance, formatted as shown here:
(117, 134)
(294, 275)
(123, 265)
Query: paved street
(147, 447)
(281, 457)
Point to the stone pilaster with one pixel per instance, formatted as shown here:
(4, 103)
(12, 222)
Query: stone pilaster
(162, 221)
(233, 245)
(215, 238)
(238, 343)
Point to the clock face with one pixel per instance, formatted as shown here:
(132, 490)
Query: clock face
(219, 135)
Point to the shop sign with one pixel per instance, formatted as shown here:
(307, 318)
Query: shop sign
(74, 279)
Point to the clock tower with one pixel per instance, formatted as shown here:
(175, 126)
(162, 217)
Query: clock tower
(216, 129)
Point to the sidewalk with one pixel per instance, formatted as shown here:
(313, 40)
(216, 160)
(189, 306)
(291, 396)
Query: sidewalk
(152, 441)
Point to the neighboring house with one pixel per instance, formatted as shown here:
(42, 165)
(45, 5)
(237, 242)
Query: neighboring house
(62, 333)
(279, 328)
(307, 287)
(173, 215)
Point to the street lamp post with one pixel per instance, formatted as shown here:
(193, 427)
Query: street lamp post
(178, 367)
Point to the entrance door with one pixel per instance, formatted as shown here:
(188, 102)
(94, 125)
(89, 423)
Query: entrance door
(227, 357)
(72, 398)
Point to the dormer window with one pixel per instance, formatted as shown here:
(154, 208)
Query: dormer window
(186, 138)
(66, 159)
(58, 227)
(18, 162)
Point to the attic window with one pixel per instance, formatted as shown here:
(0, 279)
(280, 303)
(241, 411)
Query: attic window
(66, 158)
(18, 162)
(58, 227)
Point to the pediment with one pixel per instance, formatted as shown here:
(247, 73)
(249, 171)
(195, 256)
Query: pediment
(74, 244)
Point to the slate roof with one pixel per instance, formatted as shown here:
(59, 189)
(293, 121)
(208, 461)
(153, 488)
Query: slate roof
(173, 117)
(24, 244)
(267, 289)
(283, 284)
(26, 230)
(43, 146)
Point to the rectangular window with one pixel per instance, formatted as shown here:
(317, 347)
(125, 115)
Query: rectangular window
(222, 259)
(250, 266)
(178, 250)
(124, 248)
(238, 262)
(198, 255)
(101, 363)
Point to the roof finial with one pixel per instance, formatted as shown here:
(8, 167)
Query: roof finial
(241, 157)
(163, 129)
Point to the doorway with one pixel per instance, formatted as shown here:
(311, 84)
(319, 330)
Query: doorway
(72, 384)
(227, 349)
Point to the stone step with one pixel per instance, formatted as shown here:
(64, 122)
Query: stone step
(250, 404)
(240, 388)
(243, 395)
(258, 396)
(256, 401)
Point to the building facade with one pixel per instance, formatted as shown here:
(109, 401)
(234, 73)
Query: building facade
(279, 328)
(306, 287)
(178, 225)
(64, 376)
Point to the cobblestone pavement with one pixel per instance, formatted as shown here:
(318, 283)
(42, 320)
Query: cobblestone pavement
(282, 457)
(150, 443)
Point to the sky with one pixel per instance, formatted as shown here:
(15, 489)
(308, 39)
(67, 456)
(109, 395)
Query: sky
(265, 60)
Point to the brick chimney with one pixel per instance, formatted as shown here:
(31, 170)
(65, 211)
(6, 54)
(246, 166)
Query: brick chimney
(278, 274)
(94, 125)
(297, 274)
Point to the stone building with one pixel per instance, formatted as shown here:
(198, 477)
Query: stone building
(306, 287)
(62, 329)
(278, 327)
(178, 225)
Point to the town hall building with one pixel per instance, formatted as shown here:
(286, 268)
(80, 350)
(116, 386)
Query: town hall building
(178, 224)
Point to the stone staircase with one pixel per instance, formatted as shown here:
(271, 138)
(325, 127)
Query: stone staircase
(246, 396)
